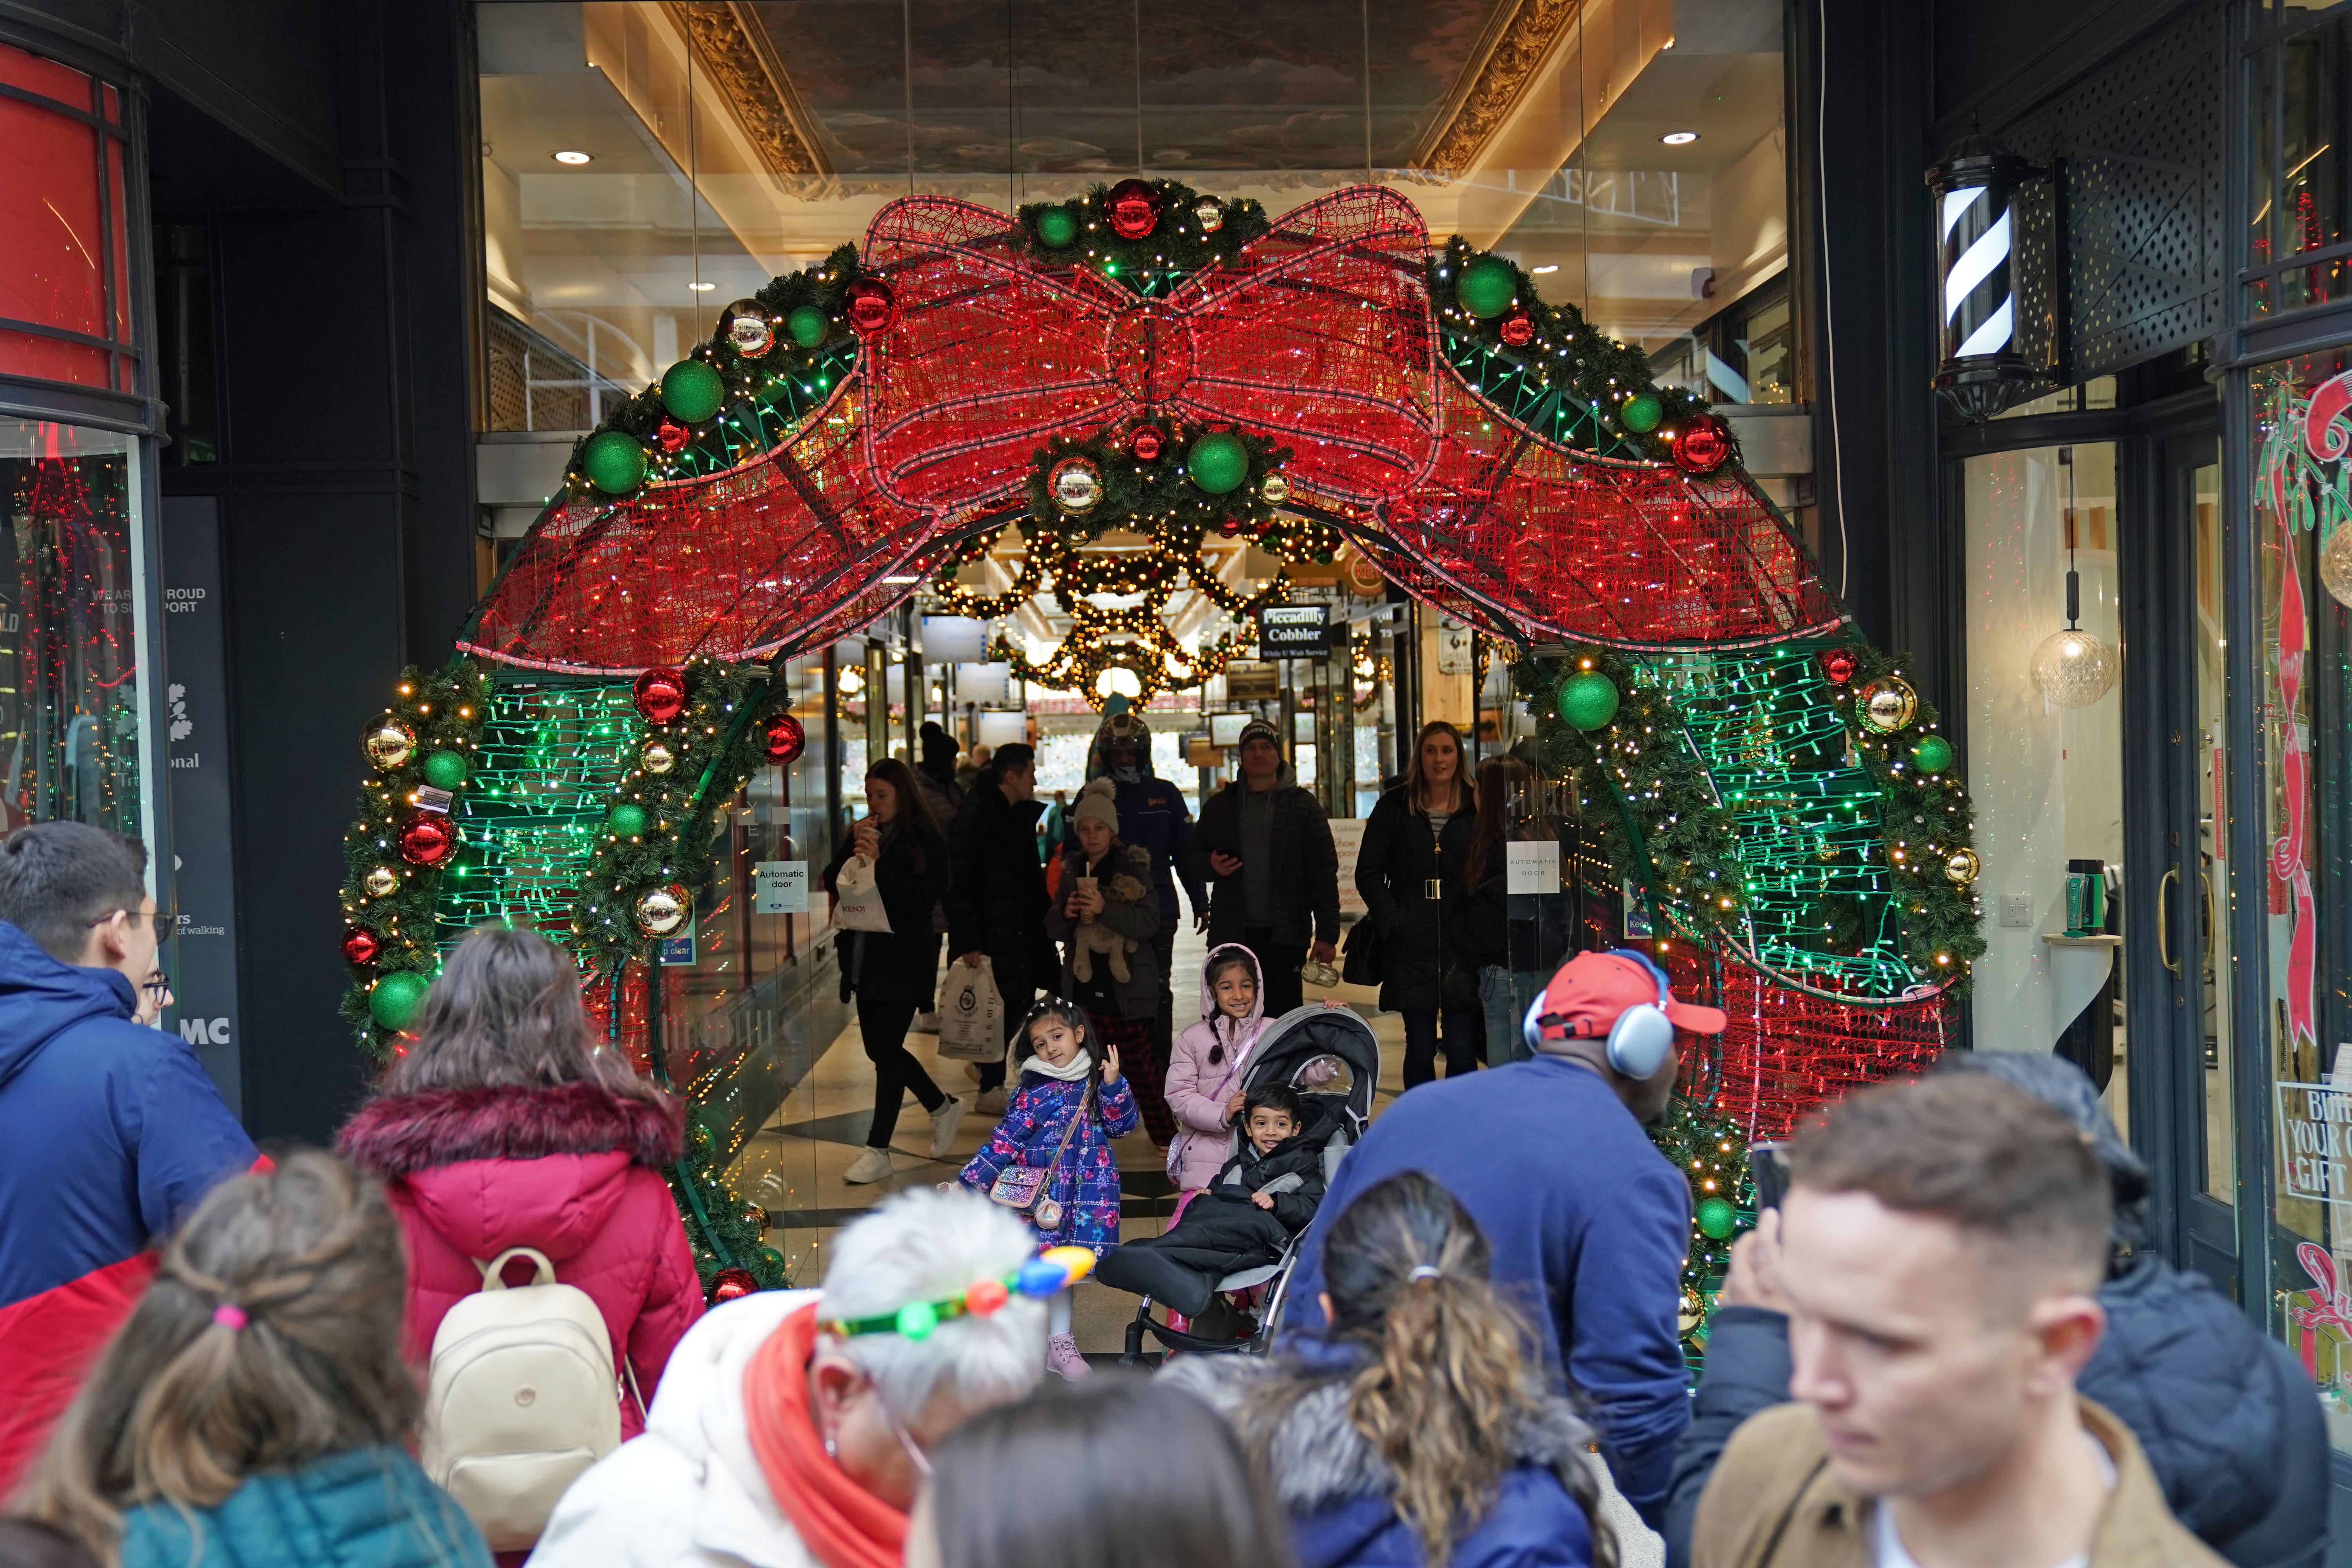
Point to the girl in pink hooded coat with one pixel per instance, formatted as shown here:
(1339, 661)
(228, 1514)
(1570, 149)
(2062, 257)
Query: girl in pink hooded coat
(1204, 1073)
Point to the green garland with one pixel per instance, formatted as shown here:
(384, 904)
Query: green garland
(446, 710)
(719, 1229)
(1929, 820)
(1712, 1154)
(715, 742)
(787, 380)
(1151, 496)
(1646, 785)
(1177, 245)
(1563, 350)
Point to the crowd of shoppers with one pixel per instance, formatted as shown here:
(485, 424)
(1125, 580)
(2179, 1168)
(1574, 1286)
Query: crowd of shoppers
(1947, 1345)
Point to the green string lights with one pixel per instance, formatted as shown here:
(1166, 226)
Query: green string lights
(1712, 1155)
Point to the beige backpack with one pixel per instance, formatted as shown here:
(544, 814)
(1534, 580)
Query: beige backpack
(519, 1400)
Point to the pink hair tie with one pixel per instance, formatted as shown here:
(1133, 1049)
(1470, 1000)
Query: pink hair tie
(229, 1316)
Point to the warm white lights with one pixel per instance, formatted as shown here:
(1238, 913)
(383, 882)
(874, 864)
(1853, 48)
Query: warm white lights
(2074, 668)
(571, 156)
(1679, 138)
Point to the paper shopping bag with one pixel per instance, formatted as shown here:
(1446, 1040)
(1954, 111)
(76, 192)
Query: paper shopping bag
(971, 1014)
(857, 900)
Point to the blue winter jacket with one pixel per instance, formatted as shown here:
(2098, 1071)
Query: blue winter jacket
(1152, 816)
(108, 1132)
(365, 1508)
(1339, 1494)
(1588, 1223)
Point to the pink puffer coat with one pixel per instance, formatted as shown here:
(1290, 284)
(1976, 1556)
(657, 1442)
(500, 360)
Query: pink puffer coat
(572, 1171)
(1198, 1087)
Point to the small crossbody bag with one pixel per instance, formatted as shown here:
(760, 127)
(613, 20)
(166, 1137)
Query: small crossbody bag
(1022, 1188)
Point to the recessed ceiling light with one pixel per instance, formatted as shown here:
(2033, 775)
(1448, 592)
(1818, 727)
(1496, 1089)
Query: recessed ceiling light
(1679, 138)
(571, 156)
(702, 288)
(1548, 266)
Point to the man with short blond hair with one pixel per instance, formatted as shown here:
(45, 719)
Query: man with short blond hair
(1942, 1249)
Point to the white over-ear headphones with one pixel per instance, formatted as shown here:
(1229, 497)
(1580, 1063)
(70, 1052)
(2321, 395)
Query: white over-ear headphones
(1642, 1038)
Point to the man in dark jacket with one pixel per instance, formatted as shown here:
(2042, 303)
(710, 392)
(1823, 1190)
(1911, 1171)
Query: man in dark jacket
(2228, 1420)
(1588, 1221)
(109, 1131)
(996, 901)
(1265, 845)
(1152, 816)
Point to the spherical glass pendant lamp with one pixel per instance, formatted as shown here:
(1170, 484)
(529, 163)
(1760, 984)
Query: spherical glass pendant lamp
(2074, 667)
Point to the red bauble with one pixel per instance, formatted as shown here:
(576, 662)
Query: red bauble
(1704, 444)
(428, 839)
(362, 946)
(1838, 665)
(786, 740)
(1230, 527)
(1134, 209)
(661, 695)
(870, 305)
(670, 435)
(1518, 329)
(729, 1283)
(1146, 443)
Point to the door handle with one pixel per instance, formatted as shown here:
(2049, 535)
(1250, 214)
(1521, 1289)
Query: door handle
(2205, 887)
(2164, 923)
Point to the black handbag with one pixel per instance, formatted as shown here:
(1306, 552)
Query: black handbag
(1362, 965)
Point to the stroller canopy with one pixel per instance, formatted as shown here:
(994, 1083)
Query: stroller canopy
(1286, 1053)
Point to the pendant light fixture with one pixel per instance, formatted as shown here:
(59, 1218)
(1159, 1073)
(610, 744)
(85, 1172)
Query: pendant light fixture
(2074, 667)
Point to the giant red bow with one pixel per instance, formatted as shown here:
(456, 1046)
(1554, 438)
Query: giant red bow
(1318, 337)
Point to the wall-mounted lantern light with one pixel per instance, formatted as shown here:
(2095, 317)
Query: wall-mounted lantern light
(1982, 372)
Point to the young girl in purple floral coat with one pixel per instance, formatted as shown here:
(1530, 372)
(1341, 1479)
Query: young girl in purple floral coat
(1068, 1108)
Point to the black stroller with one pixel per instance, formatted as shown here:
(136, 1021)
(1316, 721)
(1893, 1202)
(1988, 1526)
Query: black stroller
(1329, 1054)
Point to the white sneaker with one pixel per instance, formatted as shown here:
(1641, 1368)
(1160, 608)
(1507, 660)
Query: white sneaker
(927, 1022)
(943, 1127)
(1062, 1356)
(991, 1103)
(872, 1164)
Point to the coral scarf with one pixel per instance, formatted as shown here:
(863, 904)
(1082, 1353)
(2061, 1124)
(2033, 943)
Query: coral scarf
(842, 1525)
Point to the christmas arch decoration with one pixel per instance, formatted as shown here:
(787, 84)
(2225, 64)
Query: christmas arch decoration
(1123, 378)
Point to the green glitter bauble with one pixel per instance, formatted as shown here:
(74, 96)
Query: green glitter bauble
(392, 1001)
(1588, 700)
(1217, 463)
(1486, 289)
(1933, 754)
(1642, 413)
(1716, 1218)
(1056, 228)
(627, 820)
(445, 770)
(614, 461)
(691, 390)
(807, 326)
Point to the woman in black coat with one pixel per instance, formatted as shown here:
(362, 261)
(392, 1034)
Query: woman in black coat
(1410, 872)
(892, 973)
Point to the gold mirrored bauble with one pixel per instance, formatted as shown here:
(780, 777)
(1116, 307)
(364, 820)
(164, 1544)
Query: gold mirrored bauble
(381, 882)
(662, 911)
(1210, 215)
(1076, 487)
(388, 743)
(1886, 704)
(656, 758)
(2336, 565)
(1962, 867)
(2074, 668)
(1274, 489)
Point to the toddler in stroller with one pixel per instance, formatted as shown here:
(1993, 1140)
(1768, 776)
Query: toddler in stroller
(1309, 1094)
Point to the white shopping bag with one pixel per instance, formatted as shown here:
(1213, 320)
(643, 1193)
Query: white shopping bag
(856, 900)
(971, 1014)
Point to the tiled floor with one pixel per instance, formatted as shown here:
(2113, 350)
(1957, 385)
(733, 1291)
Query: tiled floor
(793, 1166)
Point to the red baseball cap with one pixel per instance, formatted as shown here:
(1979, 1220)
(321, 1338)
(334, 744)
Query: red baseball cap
(1591, 989)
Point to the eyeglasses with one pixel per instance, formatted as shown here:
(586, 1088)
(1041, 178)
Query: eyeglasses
(158, 985)
(164, 920)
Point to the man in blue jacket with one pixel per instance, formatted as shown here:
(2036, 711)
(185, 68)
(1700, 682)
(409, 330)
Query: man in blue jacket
(1588, 1221)
(109, 1131)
